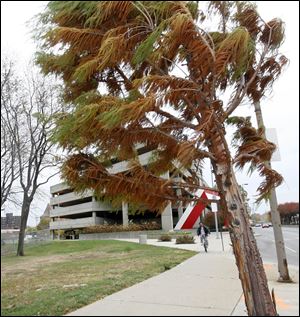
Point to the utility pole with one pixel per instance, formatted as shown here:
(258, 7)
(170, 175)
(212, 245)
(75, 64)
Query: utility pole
(279, 242)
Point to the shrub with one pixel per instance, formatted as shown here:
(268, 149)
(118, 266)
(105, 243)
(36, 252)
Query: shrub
(44, 223)
(119, 228)
(185, 239)
(165, 237)
(209, 219)
(70, 232)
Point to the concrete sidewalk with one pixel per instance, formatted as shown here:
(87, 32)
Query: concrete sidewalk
(205, 285)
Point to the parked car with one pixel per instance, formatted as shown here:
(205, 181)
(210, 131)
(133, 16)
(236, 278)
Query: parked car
(265, 225)
(258, 225)
(27, 237)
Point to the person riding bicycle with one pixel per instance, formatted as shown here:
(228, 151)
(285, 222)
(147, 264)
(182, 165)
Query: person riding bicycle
(203, 232)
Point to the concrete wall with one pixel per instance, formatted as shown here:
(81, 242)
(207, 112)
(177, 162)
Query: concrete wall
(80, 208)
(58, 188)
(60, 199)
(75, 223)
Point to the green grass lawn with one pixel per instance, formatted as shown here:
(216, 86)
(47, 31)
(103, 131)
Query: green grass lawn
(61, 276)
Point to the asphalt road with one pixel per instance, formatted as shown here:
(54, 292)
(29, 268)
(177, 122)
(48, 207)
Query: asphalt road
(266, 244)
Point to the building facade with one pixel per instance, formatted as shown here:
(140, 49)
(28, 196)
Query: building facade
(10, 222)
(70, 210)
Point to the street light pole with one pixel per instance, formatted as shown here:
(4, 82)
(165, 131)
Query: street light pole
(279, 242)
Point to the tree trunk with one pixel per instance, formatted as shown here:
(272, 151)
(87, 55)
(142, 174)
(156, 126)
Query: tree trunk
(248, 260)
(24, 216)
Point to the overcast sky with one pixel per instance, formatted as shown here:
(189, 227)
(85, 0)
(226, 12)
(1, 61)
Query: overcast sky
(280, 110)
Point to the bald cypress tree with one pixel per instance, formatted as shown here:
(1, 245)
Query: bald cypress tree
(153, 72)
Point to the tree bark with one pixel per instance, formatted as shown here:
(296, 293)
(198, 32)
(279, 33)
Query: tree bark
(248, 260)
(24, 216)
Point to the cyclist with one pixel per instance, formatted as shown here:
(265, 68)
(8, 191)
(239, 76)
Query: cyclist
(203, 232)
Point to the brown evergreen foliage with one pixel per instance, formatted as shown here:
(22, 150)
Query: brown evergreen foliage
(132, 49)
(165, 77)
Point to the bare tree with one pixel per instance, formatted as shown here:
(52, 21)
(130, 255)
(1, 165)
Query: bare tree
(29, 125)
(9, 164)
(9, 168)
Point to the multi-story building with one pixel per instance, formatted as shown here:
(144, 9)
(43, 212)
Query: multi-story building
(70, 210)
(10, 221)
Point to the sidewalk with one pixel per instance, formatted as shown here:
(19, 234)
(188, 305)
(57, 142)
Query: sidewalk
(205, 285)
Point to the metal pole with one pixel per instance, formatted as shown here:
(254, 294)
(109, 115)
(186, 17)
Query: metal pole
(279, 242)
(216, 224)
(216, 218)
(222, 237)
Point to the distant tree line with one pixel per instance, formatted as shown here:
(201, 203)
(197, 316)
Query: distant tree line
(289, 213)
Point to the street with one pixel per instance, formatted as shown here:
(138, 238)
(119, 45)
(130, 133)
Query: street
(266, 244)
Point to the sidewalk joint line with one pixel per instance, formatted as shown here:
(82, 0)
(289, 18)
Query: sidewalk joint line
(162, 304)
(236, 304)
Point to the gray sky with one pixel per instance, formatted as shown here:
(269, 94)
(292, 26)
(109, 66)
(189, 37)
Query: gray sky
(280, 109)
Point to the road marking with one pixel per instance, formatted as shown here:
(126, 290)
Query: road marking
(291, 249)
(281, 303)
(267, 266)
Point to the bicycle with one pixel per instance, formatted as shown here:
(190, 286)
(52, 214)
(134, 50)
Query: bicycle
(205, 243)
